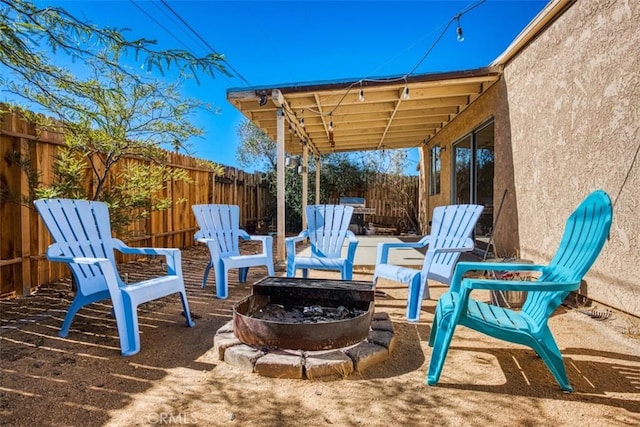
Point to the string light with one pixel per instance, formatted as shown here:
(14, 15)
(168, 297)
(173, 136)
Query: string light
(460, 36)
(405, 93)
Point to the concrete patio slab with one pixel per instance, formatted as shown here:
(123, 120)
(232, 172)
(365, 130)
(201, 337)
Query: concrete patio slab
(368, 248)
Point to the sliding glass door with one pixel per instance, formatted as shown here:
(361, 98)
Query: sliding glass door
(473, 168)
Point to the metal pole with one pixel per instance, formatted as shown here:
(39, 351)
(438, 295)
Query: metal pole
(495, 222)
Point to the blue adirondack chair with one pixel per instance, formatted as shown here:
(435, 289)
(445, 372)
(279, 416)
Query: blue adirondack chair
(584, 236)
(220, 231)
(82, 234)
(327, 230)
(451, 234)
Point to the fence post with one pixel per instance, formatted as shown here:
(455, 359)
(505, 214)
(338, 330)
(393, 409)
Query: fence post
(25, 225)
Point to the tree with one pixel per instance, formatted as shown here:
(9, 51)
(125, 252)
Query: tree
(111, 115)
(25, 29)
(340, 173)
(256, 150)
(121, 120)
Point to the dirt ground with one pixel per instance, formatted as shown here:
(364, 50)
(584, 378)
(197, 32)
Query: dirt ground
(177, 379)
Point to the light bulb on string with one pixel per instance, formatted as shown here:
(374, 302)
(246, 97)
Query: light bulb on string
(330, 122)
(405, 93)
(302, 119)
(361, 95)
(460, 36)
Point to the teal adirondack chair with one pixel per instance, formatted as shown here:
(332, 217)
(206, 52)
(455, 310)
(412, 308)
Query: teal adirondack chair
(451, 234)
(220, 231)
(81, 231)
(584, 236)
(327, 231)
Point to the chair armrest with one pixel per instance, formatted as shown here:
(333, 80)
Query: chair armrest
(108, 269)
(267, 242)
(290, 242)
(463, 267)
(464, 244)
(122, 247)
(172, 255)
(353, 244)
(382, 254)
(53, 256)
(519, 285)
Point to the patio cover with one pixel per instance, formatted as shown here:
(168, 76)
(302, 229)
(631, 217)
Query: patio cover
(385, 119)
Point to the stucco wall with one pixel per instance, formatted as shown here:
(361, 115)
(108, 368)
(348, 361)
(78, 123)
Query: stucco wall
(573, 97)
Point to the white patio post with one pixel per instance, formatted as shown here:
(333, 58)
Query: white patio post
(305, 183)
(280, 245)
(317, 180)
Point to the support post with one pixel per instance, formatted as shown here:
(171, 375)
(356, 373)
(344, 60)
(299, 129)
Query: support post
(317, 180)
(280, 252)
(305, 183)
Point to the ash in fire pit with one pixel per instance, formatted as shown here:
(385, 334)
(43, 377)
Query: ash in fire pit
(308, 314)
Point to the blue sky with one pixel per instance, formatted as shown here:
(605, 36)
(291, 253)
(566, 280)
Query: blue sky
(269, 42)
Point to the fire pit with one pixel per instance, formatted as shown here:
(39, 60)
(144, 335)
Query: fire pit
(305, 314)
(306, 329)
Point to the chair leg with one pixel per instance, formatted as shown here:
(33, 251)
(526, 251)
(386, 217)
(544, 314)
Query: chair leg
(414, 302)
(78, 302)
(185, 307)
(270, 269)
(441, 343)
(434, 330)
(242, 274)
(550, 353)
(126, 312)
(291, 268)
(347, 272)
(206, 274)
(222, 287)
(305, 273)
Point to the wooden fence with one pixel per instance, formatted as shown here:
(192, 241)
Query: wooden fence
(24, 239)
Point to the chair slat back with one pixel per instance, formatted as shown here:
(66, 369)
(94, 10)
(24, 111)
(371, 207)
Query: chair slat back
(221, 223)
(450, 225)
(585, 233)
(80, 228)
(328, 226)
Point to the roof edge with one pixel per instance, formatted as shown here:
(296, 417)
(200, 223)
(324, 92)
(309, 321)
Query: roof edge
(553, 10)
(372, 82)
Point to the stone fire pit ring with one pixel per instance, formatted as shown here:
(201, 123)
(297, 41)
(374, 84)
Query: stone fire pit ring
(299, 364)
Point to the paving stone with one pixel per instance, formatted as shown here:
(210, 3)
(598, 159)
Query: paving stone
(332, 363)
(243, 356)
(366, 354)
(280, 364)
(380, 315)
(386, 339)
(382, 325)
(223, 341)
(227, 327)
